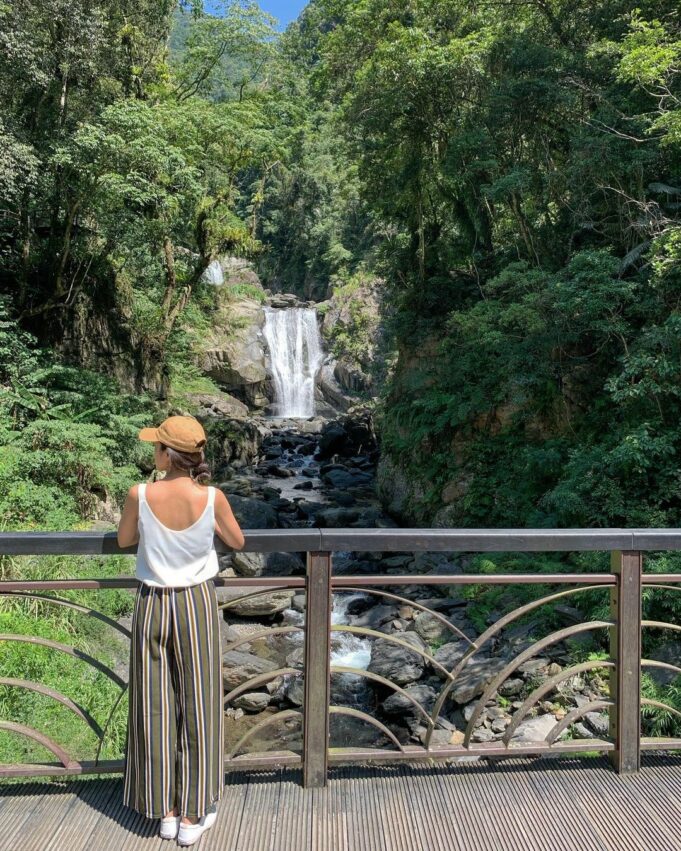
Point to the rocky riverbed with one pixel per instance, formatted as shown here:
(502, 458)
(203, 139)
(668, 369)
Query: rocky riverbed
(320, 472)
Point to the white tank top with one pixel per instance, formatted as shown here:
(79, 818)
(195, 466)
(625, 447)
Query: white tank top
(175, 558)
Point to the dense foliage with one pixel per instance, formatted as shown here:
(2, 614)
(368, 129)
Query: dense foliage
(511, 173)
(522, 165)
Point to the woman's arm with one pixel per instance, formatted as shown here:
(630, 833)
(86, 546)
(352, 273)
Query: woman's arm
(128, 533)
(226, 525)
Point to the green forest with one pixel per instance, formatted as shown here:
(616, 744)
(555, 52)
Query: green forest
(507, 176)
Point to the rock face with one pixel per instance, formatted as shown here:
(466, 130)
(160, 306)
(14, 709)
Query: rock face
(234, 353)
(215, 405)
(400, 495)
(329, 394)
(353, 311)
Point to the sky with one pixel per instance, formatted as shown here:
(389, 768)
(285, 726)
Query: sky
(284, 10)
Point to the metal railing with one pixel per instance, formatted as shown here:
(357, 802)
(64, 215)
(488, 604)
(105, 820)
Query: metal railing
(624, 583)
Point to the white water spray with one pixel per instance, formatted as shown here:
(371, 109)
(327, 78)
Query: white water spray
(214, 274)
(296, 354)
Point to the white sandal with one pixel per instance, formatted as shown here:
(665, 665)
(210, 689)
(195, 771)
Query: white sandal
(188, 834)
(170, 827)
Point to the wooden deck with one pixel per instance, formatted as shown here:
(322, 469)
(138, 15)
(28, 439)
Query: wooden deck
(520, 804)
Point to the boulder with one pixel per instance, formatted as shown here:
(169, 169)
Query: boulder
(375, 616)
(670, 652)
(512, 686)
(252, 513)
(233, 441)
(346, 478)
(215, 405)
(449, 655)
(233, 351)
(330, 397)
(267, 564)
(430, 628)
(351, 377)
(238, 667)
(331, 440)
(395, 662)
(598, 722)
(398, 704)
(475, 677)
(252, 701)
(534, 729)
(266, 604)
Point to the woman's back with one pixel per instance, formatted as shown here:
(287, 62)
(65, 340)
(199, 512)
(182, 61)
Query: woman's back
(176, 534)
(177, 503)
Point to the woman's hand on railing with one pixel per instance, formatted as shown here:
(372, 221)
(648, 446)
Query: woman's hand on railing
(226, 525)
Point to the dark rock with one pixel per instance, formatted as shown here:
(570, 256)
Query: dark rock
(331, 440)
(598, 722)
(397, 704)
(280, 472)
(475, 677)
(375, 616)
(511, 687)
(669, 652)
(252, 701)
(342, 498)
(395, 662)
(253, 513)
(346, 478)
(238, 667)
(449, 655)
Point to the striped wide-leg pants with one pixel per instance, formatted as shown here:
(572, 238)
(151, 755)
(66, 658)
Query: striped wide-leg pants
(174, 751)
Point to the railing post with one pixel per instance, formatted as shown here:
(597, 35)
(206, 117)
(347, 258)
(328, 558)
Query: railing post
(625, 651)
(317, 669)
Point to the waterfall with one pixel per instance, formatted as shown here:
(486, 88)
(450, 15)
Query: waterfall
(349, 649)
(214, 274)
(296, 354)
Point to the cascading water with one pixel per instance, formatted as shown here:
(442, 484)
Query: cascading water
(349, 649)
(295, 354)
(214, 274)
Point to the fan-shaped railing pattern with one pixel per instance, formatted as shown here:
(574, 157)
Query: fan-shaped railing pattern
(451, 677)
(653, 663)
(258, 680)
(624, 583)
(73, 706)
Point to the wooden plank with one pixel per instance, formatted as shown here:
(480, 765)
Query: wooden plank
(396, 540)
(490, 540)
(317, 669)
(625, 651)
(89, 803)
(226, 832)
(519, 805)
(106, 543)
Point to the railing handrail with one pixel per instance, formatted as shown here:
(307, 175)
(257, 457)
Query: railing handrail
(624, 581)
(316, 539)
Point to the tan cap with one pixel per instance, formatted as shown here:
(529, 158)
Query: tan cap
(183, 433)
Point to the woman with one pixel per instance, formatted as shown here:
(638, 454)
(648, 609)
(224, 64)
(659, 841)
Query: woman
(175, 687)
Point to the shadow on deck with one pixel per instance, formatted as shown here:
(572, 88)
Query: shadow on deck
(539, 804)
